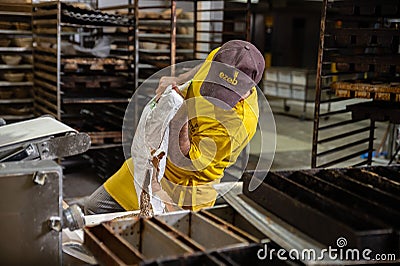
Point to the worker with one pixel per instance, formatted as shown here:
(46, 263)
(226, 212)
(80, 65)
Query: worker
(217, 121)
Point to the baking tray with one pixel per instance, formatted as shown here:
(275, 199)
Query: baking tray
(319, 216)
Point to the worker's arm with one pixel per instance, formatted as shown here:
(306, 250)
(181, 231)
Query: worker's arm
(179, 140)
(179, 126)
(184, 141)
(179, 119)
(169, 80)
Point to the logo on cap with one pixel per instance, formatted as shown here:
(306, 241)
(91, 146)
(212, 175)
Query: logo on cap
(228, 79)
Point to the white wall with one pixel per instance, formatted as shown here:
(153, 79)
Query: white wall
(105, 3)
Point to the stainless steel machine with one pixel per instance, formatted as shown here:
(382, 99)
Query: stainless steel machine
(41, 138)
(31, 209)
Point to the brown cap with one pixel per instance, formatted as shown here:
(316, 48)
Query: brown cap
(236, 68)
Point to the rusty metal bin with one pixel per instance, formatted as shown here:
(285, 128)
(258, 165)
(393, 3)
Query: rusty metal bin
(127, 242)
(327, 207)
(194, 225)
(169, 237)
(231, 216)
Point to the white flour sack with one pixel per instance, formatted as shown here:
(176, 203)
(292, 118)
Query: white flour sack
(151, 140)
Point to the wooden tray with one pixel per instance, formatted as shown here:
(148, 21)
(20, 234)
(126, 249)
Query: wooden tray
(389, 91)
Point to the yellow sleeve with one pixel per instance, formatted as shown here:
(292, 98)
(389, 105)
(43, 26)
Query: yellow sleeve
(121, 187)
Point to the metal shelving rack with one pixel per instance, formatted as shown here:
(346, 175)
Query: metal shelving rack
(187, 30)
(358, 45)
(162, 41)
(217, 22)
(108, 161)
(86, 89)
(173, 31)
(16, 100)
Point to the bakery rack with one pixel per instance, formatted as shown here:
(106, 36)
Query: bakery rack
(84, 68)
(177, 31)
(170, 32)
(16, 97)
(217, 22)
(358, 61)
(165, 35)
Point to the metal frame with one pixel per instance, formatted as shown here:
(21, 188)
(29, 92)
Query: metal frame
(168, 31)
(354, 134)
(50, 81)
(16, 13)
(224, 34)
(179, 238)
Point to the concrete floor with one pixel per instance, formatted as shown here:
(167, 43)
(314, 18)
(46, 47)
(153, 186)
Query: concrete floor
(294, 136)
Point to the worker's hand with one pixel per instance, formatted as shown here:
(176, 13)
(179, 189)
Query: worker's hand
(163, 84)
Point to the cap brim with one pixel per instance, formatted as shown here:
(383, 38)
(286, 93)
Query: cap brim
(219, 95)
